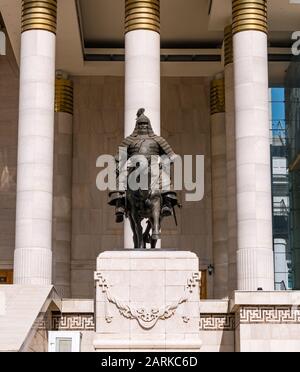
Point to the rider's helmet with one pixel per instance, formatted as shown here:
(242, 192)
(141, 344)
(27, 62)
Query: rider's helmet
(142, 119)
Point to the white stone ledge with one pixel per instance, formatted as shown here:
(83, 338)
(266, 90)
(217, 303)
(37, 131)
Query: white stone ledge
(244, 298)
(214, 307)
(140, 254)
(77, 306)
(123, 344)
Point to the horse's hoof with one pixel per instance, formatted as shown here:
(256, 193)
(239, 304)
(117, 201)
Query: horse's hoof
(155, 236)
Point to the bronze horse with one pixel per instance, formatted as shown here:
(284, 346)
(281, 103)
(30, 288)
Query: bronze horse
(140, 205)
(147, 203)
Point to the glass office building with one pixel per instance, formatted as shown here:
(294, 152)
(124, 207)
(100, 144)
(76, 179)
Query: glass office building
(280, 191)
(293, 153)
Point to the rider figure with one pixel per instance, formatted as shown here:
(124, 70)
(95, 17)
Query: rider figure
(143, 141)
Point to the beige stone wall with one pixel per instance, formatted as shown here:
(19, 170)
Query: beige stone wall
(9, 95)
(62, 200)
(217, 341)
(274, 338)
(98, 129)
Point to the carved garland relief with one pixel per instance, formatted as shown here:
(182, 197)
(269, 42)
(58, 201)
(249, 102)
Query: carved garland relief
(147, 317)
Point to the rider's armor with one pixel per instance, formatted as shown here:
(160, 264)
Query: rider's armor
(148, 145)
(144, 146)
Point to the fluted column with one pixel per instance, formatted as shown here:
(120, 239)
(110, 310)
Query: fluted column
(219, 187)
(230, 158)
(254, 212)
(62, 192)
(142, 69)
(33, 253)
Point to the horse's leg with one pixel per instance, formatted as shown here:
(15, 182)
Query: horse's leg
(139, 230)
(146, 234)
(137, 227)
(153, 241)
(156, 206)
(133, 228)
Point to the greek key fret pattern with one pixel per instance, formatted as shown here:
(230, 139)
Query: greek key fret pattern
(250, 315)
(217, 322)
(42, 323)
(73, 322)
(269, 314)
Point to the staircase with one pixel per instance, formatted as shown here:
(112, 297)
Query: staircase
(23, 310)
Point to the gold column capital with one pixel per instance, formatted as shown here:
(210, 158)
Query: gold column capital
(217, 96)
(63, 95)
(39, 15)
(249, 15)
(142, 15)
(228, 45)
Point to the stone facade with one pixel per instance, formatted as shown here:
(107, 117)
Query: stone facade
(9, 96)
(98, 129)
(250, 321)
(62, 200)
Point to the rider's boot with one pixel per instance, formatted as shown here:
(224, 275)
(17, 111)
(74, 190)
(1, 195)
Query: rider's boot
(166, 209)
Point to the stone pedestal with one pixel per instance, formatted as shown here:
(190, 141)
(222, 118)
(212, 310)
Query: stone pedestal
(147, 301)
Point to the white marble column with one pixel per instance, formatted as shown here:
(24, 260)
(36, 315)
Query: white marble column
(33, 253)
(230, 158)
(219, 187)
(62, 185)
(254, 211)
(142, 69)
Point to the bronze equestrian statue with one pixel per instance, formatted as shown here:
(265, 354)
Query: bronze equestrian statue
(152, 204)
